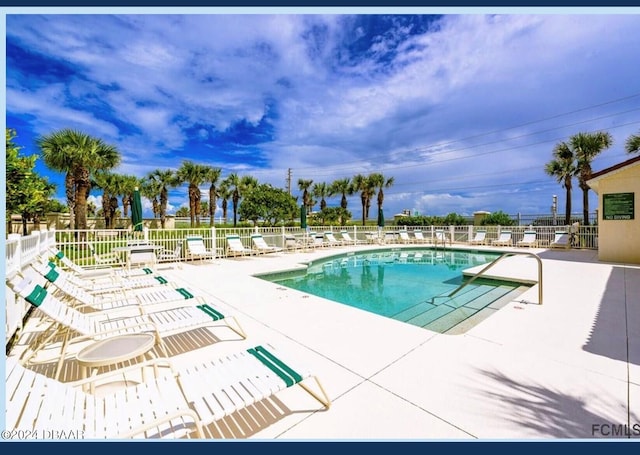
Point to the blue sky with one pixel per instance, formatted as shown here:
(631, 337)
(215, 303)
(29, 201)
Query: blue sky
(463, 110)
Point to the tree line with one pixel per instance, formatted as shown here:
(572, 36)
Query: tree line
(87, 163)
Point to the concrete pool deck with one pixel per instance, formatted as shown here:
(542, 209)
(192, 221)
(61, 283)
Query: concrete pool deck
(569, 368)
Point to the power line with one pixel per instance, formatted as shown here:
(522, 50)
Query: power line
(430, 163)
(428, 147)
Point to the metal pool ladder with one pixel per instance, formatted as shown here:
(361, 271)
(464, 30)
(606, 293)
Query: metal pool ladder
(498, 259)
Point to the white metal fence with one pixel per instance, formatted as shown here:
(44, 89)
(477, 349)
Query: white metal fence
(75, 243)
(20, 251)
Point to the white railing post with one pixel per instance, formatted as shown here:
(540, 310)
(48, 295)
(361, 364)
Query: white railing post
(16, 260)
(214, 242)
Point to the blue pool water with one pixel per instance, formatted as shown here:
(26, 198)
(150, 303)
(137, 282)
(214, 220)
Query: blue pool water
(408, 285)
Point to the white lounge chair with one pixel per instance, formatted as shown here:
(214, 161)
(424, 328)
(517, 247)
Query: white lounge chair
(404, 237)
(346, 237)
(105, 259)
(562, 239)
(196, 248)
(291, 243)
(98, 285)
(372, 237)
(317, 240)
(479, 239)
(76, 326)
(92, 273)
(113, 299)
(261, 246)
(221, 387)
(155, 409)
(528, 239)
(235, 246)
(388, 238)
(419, 237)
(503, 240)
(172, 255)
(174, 404)
(332, 240)
(441, 237)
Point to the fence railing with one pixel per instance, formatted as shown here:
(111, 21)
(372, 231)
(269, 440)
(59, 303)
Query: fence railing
(75, 244)
(20, 251)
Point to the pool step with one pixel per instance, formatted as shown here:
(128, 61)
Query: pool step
(422, 307)
(452, 319)
(445, 313)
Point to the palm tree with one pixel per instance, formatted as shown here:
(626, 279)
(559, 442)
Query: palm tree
(127, 186)
(195, 175)
(378, 181)
(343, 187)
(151, 189)
(237, 186)
(233, 183)
(304, 186)
(321, 190)
(78, 155)
(586, 146)
(204, 208)
(165, 179)
(109, 184)
(56, 157)
(632, 145)
(563, 167)
(225, 193)
(366, 188)
(213, 176)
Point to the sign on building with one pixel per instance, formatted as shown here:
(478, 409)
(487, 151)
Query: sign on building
(618, 206)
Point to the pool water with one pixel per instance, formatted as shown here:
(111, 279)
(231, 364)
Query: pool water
(407, 285)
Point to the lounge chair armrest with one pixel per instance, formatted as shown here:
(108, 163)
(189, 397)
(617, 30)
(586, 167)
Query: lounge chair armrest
(155, 363)
(141, 430)
(119, 330)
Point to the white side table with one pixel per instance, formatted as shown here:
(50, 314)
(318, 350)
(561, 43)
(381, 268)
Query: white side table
(114, 350)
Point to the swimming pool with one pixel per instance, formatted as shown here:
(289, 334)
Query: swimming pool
(409, 285)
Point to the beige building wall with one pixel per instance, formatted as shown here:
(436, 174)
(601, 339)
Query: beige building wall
(619, 240)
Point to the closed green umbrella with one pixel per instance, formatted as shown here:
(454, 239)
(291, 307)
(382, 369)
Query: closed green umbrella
(136, 211)
(303, 217)
(380, 218)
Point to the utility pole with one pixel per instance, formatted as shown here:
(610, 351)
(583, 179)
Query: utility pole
(289, 181)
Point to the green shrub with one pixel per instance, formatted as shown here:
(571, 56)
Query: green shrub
(498, 218)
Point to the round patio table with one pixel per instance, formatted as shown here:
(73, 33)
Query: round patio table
(114, 350)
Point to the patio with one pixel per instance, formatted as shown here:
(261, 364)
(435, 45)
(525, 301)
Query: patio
(569, 368)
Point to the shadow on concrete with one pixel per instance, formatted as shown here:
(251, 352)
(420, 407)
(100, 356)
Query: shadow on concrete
(553, 414)
(616, 329)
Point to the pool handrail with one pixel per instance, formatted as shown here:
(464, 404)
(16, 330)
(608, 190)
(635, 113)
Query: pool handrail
(495, 261)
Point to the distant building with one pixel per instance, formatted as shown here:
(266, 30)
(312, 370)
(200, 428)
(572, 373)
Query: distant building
(399, 216)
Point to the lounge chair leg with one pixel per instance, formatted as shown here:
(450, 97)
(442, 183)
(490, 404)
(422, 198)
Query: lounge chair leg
(326, 401)
(40, 340)
(238, 328)
(63, 352)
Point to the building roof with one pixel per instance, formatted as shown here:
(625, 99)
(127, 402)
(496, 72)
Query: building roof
(597, 176)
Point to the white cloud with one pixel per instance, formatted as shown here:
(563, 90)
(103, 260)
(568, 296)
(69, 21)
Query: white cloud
(436, 112)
